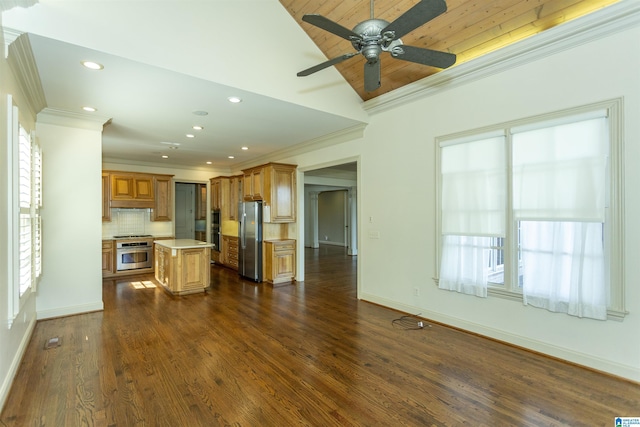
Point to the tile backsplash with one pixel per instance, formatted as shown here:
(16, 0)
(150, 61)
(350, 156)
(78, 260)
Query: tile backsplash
(135, 221)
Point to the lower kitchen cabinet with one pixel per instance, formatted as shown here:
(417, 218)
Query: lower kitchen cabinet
(279, 261)
(108, 257)
(230, 252)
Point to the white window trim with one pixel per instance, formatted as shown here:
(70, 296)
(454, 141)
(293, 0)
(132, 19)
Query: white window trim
(615, 236)
(15, 301)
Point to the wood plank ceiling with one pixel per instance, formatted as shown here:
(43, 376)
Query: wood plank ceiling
(469, 29)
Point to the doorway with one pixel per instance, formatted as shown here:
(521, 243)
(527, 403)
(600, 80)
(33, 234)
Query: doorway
(185, 221)
(330, 214)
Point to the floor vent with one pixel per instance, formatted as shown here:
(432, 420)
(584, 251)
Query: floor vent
(52, 343)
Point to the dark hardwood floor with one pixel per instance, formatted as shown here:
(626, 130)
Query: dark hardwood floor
(246, 354)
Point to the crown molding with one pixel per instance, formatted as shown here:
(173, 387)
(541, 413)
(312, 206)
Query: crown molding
(10, 35)
(213, 170)
(21, 61)
(350, 134)
(612, 19)
(10, 4)
(53, 116)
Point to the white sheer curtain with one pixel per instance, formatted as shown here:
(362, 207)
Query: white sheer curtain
(473, 201)
(563, 266)
(464, 264)
(559, 193)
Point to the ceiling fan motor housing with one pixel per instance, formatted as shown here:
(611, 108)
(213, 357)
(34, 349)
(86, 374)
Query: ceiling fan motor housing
(370, 45)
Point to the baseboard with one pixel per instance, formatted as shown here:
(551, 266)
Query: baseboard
(15, 364)
(327, 242)
(70, 311)
(586, 360)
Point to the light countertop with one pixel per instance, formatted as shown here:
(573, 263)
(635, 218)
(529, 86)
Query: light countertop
(183, 243)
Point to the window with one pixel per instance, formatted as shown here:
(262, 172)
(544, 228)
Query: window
(531, 210)
(25, 176)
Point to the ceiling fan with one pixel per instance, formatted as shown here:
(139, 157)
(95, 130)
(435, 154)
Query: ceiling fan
(374, 36)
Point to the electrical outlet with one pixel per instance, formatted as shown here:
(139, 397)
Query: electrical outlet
(416, 292)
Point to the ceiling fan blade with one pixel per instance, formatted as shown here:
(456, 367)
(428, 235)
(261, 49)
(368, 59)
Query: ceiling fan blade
(328, 25)
(421, 13)
(326, 64)
(434, 58)
(372, 75)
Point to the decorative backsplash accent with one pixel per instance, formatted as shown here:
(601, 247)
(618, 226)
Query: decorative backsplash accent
(135, 221)
(131, 221)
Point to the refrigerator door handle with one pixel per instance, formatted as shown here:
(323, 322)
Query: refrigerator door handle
(243, 238)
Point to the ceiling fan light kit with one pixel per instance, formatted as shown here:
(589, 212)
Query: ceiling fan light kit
(372, 37)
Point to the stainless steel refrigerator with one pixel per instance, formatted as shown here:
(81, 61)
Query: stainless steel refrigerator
(250, 240)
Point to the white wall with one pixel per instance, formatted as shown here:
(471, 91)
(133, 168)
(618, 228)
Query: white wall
(397, 180)
(71, 218)
(13, 337)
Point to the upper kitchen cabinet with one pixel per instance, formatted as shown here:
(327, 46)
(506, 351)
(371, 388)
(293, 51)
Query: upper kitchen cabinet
(235, 195)
(224, 196)
(137, 190)
(162, 206)
(201, 201)
(131, 190)
(253, 184)
(106, 189)
(275, 185)
(216, 193)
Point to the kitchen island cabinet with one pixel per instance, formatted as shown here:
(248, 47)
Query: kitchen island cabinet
(182, 265)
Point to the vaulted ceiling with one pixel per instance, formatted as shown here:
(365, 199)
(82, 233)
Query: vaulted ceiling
(165, 61)
(468, 29)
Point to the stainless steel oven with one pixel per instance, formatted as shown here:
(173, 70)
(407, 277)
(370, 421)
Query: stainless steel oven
(134, 254)
(215, 229)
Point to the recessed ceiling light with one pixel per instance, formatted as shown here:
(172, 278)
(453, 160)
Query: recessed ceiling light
(245, 148)
(173, 147)
(190, 135)
(197, 127)
(234, 99)
(232, 157)
(209, 163)
(200, 113)
(165, 156)
(92, 65)
(89, 109)
(170, 143)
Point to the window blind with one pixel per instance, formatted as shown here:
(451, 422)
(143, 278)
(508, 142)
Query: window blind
(473, 197)
(559, 172)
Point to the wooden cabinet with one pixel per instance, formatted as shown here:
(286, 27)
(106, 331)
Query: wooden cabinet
(201, 235)
(230, 251)
(162, 206)
(139, 190)
(106, 193)
(201, 201)
(235, 195)
(226, 192)
(182, 270)
(279, 261)
(108, 257)
(253, 184)
(131, 190)
(216, 193)
(275, 185)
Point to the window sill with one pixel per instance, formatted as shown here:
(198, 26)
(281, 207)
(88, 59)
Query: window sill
(617, 315)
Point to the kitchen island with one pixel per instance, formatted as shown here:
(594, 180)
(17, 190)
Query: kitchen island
(182, 265)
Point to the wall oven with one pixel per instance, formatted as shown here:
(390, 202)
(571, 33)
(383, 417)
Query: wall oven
(215, 229)
(132, 254)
